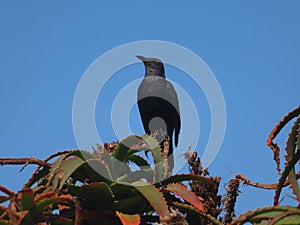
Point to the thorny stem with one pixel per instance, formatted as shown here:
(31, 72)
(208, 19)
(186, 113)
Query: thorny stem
(23, 161)
(263, 186)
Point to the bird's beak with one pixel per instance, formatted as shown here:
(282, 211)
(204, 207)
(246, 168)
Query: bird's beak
(142, 58)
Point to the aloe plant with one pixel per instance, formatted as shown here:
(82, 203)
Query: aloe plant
(279, 214)
(117, 184)
(100, 187)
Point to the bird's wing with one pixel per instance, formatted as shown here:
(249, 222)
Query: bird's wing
(173, 99)
(143, 107)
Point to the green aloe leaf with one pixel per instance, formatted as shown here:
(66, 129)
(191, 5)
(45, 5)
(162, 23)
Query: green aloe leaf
(4, 222)
(64, 171)
(127, 199)
(37, 177)
(94, 196)
(192, 210)
(121, 151)
(291, 148)
(154, 197)
(154, 147)
(93, 170)
(138, 160)
(43, 203)
(121, 155)
(185, 177)
(27, 199)
(279, 215)
(4, 199)
(125, 152)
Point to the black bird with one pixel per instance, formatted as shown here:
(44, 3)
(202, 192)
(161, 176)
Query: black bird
(158, 104)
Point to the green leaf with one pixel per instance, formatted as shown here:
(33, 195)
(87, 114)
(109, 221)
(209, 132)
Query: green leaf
(154, 147)
(298, 137)
(132, 204)
(4, 222)
(129, 176)
(290, 165)
(120, 156)
(66, 165)
(83, 154)
(123, 191)
(277, 214)
(138, 160)
(27, 198)
(291, 148)
(37, 176)
(43, 203)
(185, 177)
(93, 170)
(192, 210)
(154, 197)
(94, 196)
(121, 151)
(64, 171)
(127, 199)
(287, 219)
(4, 199)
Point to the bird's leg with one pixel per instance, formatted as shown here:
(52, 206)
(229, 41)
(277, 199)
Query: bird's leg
(166, 147)
(165, 151)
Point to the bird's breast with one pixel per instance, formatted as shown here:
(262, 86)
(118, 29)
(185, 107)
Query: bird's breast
(152, 86)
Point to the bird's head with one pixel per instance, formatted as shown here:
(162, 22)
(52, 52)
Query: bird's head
(154, 67)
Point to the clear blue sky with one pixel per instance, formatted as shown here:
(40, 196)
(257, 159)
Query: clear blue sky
(252, 48)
